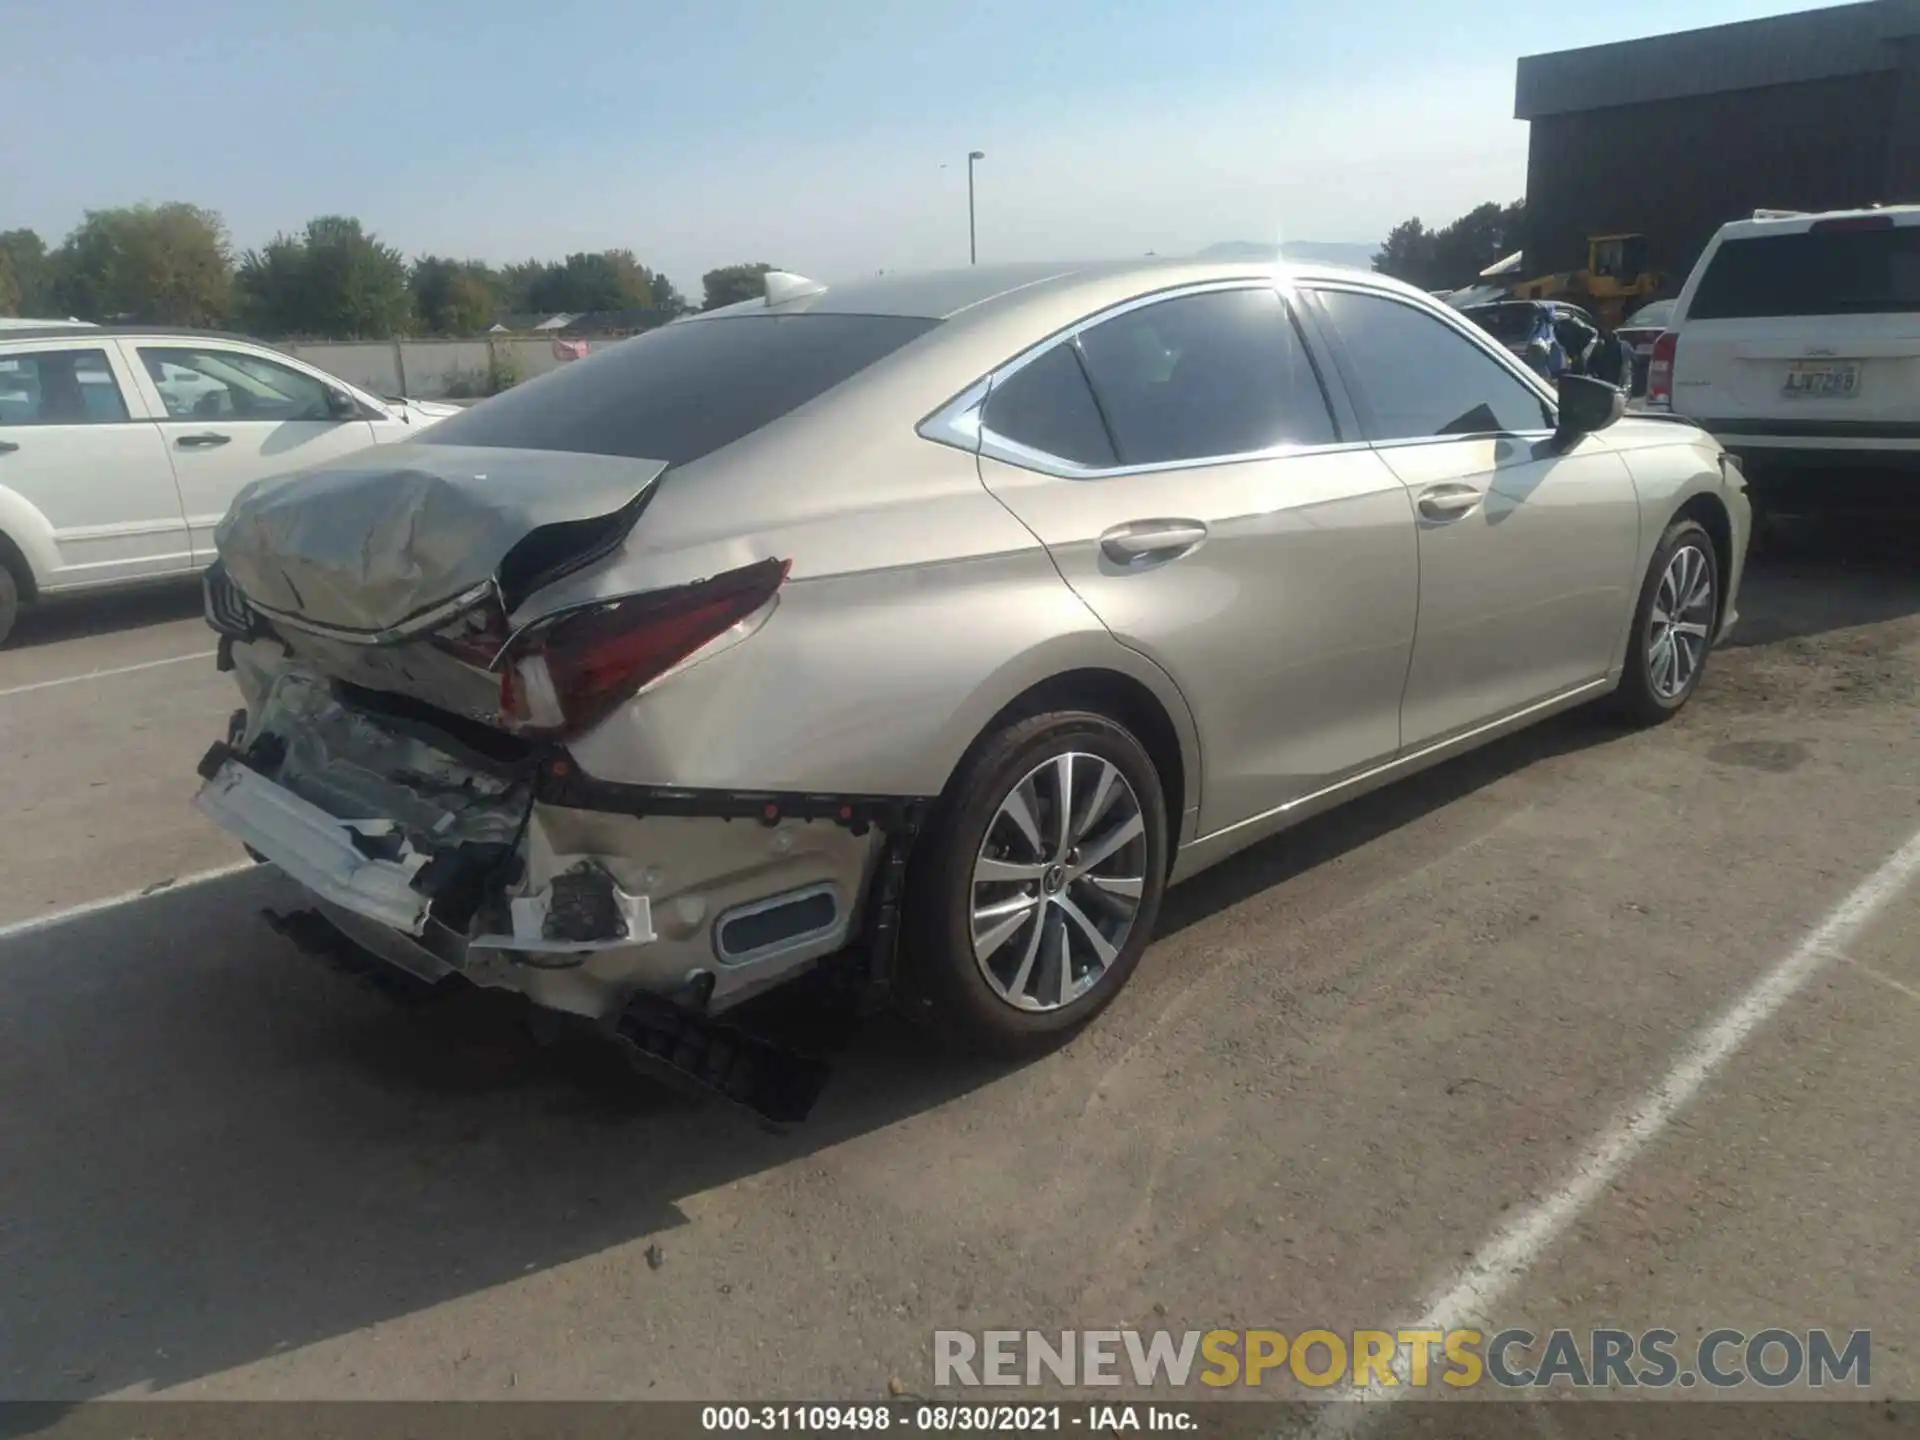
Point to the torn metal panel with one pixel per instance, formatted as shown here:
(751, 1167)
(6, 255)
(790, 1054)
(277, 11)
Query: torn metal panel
(375, 541)
(348, 762)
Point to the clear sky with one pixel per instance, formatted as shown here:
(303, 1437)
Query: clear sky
(806, 133)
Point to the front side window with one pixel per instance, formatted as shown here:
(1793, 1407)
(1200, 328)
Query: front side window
(214, 384)
(1205, 376)
(1420, 378)
(59, 387)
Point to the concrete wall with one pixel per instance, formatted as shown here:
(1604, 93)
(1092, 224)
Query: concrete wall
(431, 369)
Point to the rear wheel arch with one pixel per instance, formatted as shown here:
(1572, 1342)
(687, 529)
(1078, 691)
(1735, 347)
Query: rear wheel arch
(1124, 699)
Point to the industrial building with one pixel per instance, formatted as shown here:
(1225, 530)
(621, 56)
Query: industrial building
(1672, 136)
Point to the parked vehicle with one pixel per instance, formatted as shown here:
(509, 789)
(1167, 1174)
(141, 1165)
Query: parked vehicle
(1639, 333)
(1616, 278)
(121, 448)
(976, 608)
(1796, 341)
(1516, 323)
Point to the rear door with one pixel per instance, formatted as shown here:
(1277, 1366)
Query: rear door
(1806, 328)
(1181, 460)
(233, 414)
(85, 487)
(1527, 552)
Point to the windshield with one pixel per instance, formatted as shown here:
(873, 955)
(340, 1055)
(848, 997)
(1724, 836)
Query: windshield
(1835, 272)
(683, 391)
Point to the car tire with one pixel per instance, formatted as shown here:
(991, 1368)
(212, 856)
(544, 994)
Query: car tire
(9, 601)
(1668, 650)
(961, 970)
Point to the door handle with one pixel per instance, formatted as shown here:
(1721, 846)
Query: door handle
(7, 447)
(1448, 502)
(1150, 539)
(201, 442)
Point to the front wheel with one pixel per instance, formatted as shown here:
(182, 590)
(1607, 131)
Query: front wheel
(1036, 888)
(1673, 626)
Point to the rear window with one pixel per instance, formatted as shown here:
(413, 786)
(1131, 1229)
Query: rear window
(1509, 324)
(682, 391)
(1838, 272)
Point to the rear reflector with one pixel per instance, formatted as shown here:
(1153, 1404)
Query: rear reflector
(570, 675)
(1660, 368)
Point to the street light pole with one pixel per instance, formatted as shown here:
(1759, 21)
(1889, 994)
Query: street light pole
(973, 246)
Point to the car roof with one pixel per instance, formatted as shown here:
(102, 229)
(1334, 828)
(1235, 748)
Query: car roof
(80, 330)
(1796, 224)
(944, 294)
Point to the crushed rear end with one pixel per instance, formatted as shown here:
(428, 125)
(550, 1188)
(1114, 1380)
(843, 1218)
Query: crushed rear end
(403, 752)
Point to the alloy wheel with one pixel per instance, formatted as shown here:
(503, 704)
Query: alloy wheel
(1057, 883)
(1678, 626)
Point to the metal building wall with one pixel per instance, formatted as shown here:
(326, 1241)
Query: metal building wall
(1676, 170)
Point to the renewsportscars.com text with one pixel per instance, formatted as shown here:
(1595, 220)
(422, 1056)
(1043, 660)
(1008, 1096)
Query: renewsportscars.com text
(1382, 1359)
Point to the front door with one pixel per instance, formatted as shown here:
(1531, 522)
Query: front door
(234, 415)
(83, 475)
(1181, 463)
(1528, 552)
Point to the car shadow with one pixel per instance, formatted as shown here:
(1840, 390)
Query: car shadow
(1812, 576)
(1326, 837)
(218, 1149)
(71, 617)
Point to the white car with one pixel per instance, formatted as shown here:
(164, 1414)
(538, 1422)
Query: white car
(1796, 344)
(121, 448)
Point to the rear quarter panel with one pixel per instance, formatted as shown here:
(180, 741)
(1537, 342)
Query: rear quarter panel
(916, 609)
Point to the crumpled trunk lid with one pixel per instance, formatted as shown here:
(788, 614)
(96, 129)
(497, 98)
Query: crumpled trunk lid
(394, 536)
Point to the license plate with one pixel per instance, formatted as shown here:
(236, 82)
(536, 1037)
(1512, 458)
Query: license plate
(1822, 382)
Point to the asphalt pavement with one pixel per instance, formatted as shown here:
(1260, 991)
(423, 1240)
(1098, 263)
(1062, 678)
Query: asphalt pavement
(1426, 1055)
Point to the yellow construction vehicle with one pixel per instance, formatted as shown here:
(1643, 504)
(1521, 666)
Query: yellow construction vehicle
(1615, 279)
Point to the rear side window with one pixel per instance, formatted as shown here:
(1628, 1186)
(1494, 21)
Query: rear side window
(682, 391)
(1832, 272)
(1421, 378)
(1206, 376)
(59, 387)
(1048, 406)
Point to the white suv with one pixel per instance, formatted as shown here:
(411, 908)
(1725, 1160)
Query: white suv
(1796, 344)
(121, 449)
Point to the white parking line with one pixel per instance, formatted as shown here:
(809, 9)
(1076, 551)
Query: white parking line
(1504, 1259)
(94, 907)
(103, 674)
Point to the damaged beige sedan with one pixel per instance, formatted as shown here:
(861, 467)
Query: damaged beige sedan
(917, 634)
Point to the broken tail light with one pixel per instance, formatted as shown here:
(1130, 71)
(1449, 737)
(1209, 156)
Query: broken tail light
(1660, 369)
(567, 676)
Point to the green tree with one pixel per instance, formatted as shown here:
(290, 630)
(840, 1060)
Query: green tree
(453, 297)
(26, 275)
(157, 264)
(597, 280)
(1484, 235)
(334, 279)
(1407, 254)
(731, 284)
(1454, 255)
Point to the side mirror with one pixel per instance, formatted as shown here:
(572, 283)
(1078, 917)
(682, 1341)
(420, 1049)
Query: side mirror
(342, 406)
(1587, 405)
